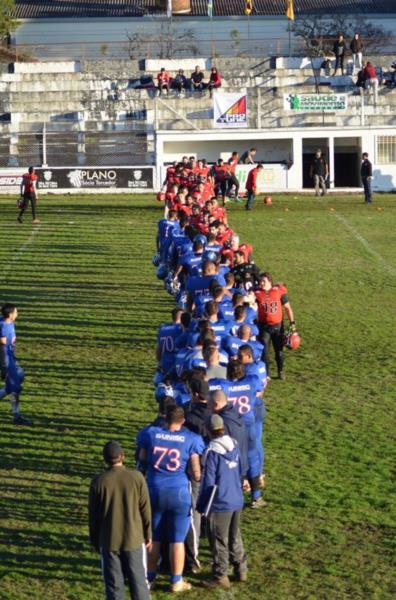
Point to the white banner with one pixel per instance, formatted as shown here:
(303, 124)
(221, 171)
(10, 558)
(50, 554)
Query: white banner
(229, 110)
(315, 102)
(272, 177)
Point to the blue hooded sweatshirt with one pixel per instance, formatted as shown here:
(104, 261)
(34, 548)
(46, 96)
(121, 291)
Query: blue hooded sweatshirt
(222, 467)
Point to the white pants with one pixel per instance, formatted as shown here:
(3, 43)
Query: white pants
(372, 84)
(357, 60)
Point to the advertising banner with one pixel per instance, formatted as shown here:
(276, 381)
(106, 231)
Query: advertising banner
(229, 110)
(315, 102)
(138, 178)
(272, 177)
(88, 178)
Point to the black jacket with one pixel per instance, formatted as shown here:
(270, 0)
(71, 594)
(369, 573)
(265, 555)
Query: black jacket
(197, 418)
(366, 170)
(235, 427)
(356, 45)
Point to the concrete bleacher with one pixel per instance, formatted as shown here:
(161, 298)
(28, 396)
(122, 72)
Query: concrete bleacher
(92, 101)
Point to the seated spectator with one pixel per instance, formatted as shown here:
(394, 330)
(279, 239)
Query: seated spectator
(371, 79)
(163, 79)
(197, 77)
(179, 82)
(214, 80)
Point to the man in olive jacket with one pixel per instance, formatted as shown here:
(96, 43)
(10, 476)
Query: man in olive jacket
(120, 525)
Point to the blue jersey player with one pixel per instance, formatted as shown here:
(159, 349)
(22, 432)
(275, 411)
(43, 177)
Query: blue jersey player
(244, 393)
(168, 453)
(11, 373)
(166, 342)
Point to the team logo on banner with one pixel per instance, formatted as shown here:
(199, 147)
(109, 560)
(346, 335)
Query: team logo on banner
(229, 110)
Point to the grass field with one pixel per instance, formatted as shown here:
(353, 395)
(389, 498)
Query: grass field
(89, 305)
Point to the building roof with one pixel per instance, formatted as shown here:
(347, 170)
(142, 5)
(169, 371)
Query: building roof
(30, 9)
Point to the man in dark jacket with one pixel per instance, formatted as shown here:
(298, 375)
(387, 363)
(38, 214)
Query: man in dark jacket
(366, 173)
(339, 52)
(196, 421)
(319, 171)
(120, 525)
(221, 499)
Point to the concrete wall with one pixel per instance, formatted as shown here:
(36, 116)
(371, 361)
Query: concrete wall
(228, 35)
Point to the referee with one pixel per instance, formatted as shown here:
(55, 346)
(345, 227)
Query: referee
(28, 194)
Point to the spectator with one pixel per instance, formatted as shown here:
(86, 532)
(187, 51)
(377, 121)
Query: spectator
(197, 84)
(214, 80)
(356, 47)
(371, 79)
(360, 82)
(339, 51)
(163, 79)
(120, 524)
(222, 476)
(319, 171)
(247, 157)
(366, 173)
(179, 82)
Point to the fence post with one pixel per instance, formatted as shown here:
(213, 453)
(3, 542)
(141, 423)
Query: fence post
(259, 108)
(44, 136)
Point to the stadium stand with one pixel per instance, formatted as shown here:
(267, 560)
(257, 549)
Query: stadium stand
(92, 109)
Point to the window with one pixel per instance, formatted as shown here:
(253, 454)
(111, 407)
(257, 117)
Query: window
(386, 149)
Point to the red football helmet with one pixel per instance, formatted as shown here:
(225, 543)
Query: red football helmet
(268, 200)
(292, 340)
(161, 196)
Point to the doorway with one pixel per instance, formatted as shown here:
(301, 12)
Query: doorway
(347, 155)
(310, 145)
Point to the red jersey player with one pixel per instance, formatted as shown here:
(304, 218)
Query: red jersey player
(29, 194)
(272, 299)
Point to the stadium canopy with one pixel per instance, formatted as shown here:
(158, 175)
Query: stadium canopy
(39, 9)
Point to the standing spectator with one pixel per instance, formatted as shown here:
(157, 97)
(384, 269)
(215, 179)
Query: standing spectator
(163, 79)
(120, 525)
(247, 157)
(214, 80)
(179, 82)
(356, 47)
(366, 173)
(319, 171)
(251, 185)
(339, 51)
(222, 476)
(371, 79)
(11, 372)
(196, 79)
(28, 194)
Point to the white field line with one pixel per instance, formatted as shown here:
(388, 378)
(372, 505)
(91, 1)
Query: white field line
(365, 243)
(19, 252)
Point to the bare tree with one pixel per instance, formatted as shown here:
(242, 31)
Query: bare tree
(166, 42)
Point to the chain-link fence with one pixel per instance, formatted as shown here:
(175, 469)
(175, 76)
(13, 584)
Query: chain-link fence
(71, 148)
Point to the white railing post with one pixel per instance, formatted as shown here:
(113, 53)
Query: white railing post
(44, 135)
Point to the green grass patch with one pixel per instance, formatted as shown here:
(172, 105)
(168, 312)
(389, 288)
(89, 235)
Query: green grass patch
(89, 306)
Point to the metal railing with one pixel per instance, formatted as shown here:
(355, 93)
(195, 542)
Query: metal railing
(164, 48)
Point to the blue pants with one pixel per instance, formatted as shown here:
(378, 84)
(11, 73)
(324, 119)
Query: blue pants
(253, 452)
(251, 197)
(367, 190)
(121, 566)
(171, 510)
